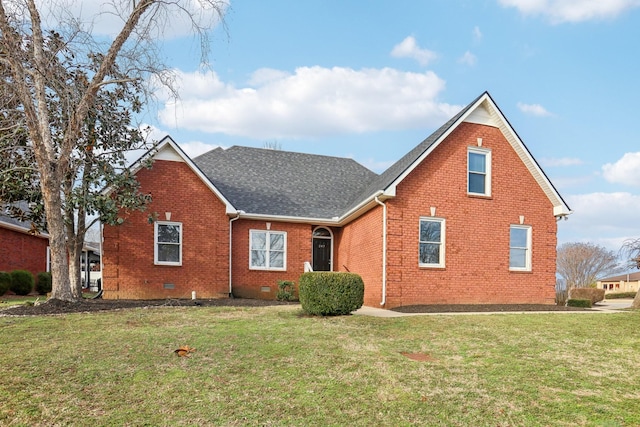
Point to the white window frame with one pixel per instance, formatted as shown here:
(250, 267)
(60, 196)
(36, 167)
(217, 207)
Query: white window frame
(441, 261)
(487, 173)
(156, 243)
(527, 266)
(268, 234)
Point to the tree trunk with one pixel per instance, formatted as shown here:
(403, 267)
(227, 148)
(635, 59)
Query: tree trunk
(636, 301)
(60, 287)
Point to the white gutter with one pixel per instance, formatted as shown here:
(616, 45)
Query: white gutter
(384, 250)
(231, 250)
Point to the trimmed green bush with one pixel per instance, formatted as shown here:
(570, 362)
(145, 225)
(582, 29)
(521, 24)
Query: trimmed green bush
(621, 295)
(5, 282)
(286, 290)
(43, 283)
(21, 282)
(330, 294)
(573, 302)
(592, 294)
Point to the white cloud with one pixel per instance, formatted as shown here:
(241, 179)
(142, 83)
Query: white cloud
(534, 110)
(191, 148)
(601, 217)
(477, 34)
(468, 59)
(624, 171)
(558, 11)
(313, 101)
(377, 166)
(173, 19)
(195, 148)
(408, 48)
(560, 162)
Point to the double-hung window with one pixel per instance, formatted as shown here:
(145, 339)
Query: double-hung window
(520, 248)
(268, 250)
(479, 171)
(168, 243)
(431, 252)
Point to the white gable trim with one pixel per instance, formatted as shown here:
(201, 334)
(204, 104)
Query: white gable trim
(168, 150)
(486, 112)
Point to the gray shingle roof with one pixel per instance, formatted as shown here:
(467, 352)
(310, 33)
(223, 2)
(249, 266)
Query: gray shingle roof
(274, 182)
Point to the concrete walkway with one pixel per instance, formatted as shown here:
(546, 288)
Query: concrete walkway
(606, 306)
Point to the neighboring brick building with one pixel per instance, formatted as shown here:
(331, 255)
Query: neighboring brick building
(21, 250)
(467, 216)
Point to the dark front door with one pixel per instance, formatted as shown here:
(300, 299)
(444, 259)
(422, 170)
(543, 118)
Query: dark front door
(321, 254)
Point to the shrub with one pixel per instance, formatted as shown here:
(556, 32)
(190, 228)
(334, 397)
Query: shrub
(21, 282)
(286, 290)
(579, 303)
(592, 294)
(43, 283)
(5, 282)
(619, 295)
(331, 294)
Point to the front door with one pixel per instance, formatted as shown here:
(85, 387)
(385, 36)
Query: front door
(322, 242)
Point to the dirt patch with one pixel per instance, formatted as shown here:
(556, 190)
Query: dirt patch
(55, 306)
(419, 357)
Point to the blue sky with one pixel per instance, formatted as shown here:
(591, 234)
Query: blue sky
(370, 80)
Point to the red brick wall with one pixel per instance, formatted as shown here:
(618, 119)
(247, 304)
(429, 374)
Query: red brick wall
(477, 229)
(22, 251)
(129, 270)
(263, 284)
(359, 249)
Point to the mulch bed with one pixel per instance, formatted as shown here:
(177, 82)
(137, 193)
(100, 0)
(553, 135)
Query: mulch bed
(483, 308)
(93, 305)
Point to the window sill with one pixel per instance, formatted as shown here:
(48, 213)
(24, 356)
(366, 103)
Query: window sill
(168, 264)
(480, 196)
(431, 267)
(266, 269)
(512, 270)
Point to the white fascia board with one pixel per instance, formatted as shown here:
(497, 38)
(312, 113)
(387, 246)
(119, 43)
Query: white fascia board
(365, 206)
(560, 208)
(284, 218)
(21, 229)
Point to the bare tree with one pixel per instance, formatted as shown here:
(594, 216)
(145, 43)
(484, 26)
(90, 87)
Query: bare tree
(580, 264)
(47, 110)
(272, 145)
(630, 251)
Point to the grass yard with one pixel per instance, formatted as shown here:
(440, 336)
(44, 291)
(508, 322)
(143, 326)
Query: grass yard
(271, 366)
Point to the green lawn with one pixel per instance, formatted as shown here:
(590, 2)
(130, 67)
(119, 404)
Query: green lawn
(272, 366)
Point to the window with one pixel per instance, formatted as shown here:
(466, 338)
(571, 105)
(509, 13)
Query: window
(431, 242)
(520, 248)
(168, 243)
(479, 168)
(267, 250)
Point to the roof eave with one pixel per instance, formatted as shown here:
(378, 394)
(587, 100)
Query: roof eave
(21, 229)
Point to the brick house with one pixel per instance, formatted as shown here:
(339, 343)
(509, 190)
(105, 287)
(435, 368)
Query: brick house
(20, 249)
(467, 216)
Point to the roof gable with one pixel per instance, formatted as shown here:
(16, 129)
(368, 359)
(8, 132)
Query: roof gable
(482, 110)
(168, 150)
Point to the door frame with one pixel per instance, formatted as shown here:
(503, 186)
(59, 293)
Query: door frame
(330, 238)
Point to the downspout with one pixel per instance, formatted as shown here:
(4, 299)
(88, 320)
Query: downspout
(384, 249)
(231, 250)
(101, 227)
